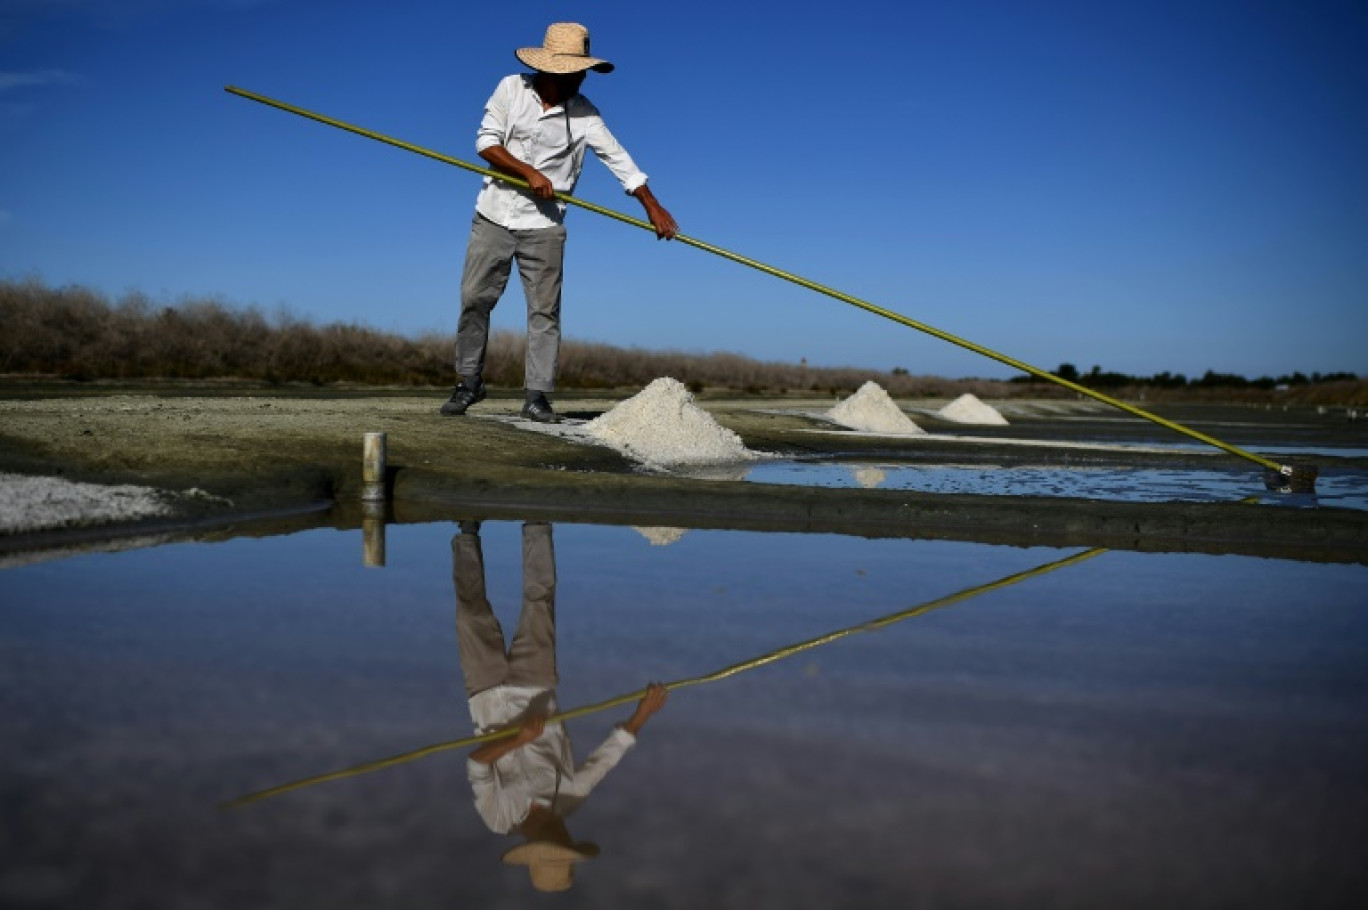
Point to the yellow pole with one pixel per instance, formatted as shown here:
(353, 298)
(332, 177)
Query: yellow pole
(630, 697)
(1286, 470)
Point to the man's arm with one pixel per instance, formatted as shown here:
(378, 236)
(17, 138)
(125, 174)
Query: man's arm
(610, 752)
(663, 222)
(650, 703)
(494, 132)
(605, 145)
(491, 752)
(503, 160)
(532, 727)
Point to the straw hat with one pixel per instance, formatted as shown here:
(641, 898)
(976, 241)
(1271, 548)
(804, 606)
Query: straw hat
(551, 865)
(565, 50)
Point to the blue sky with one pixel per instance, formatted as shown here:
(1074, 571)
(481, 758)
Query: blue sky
(1163, 185)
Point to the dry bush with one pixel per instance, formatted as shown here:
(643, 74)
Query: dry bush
(78, 334)
(75, 333)
(1348, 393)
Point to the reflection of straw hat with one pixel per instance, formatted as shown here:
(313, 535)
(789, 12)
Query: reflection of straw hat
(565, 50)
(551, 865)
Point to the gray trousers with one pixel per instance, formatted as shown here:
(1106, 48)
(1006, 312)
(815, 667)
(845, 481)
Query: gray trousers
(489, 259)
(531, 659)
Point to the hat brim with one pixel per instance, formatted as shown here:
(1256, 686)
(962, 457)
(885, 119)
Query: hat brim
(539, 852)
(544, 61)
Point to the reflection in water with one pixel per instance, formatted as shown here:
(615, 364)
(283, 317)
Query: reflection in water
(373, 534)
(539, 593)
(1343, 487)
(1150, 729)
(523, 773)
(527, 783)
(869, 476)
(661, 537)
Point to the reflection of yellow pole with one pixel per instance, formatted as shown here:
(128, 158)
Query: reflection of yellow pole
(732, 670)
(373, 535)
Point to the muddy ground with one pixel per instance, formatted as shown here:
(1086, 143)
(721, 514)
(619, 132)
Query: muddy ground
(281, 455)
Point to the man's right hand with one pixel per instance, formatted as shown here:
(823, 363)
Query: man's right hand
(531, 729)
(541, 187)
(490, 752)
(503, 160)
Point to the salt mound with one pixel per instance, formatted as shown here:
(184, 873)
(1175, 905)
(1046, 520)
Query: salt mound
(870, 409)
(661, 425)
(968, 409)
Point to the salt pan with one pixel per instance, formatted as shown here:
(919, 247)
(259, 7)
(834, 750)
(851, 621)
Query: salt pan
(870, 409)
(663, 427)
(969, 409)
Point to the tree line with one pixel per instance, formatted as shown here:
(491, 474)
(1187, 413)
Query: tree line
(79, 334)
(1099, 379)
(76, 333)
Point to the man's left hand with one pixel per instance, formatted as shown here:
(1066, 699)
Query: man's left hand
(665, 226)
(651, 702)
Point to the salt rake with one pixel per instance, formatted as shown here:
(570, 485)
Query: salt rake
(1283, 478)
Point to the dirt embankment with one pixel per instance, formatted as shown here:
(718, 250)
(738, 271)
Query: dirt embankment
(263, 451)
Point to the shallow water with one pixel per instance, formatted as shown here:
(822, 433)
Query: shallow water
(1125, 729)
(1340, 487)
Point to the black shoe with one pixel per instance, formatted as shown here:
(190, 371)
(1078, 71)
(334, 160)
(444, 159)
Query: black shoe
(462, 398)
(539, 409)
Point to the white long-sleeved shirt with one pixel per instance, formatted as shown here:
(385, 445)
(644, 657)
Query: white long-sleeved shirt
(552, 141)
(541, 771)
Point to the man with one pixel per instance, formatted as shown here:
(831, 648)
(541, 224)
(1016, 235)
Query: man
(536, 127)
(528, 783)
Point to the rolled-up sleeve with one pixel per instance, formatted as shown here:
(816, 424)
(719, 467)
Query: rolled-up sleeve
(501, 810)
(494, 124)
(602, 760)
(612, 154)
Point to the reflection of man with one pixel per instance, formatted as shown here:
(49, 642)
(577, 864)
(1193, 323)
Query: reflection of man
(527, 783)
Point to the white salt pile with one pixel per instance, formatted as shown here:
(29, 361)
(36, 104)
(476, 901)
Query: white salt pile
(969, 409)
(663, 427)
(870, 409)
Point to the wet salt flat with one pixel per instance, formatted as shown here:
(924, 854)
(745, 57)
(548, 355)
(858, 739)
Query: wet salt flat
(1064, 728)
(1338, 487)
